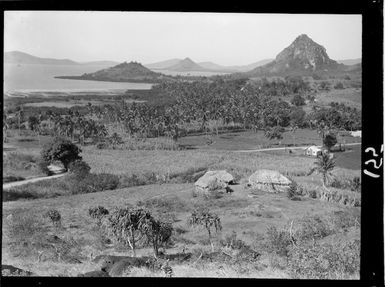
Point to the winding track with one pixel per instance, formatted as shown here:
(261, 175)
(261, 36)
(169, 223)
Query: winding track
(284, 148)
(31, 180)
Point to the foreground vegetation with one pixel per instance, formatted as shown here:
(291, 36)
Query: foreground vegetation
(131, 168)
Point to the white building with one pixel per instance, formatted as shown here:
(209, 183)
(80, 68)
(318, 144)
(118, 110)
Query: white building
(356, 133)
(313, 151)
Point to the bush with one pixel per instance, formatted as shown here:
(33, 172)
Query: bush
(313, 228)
(60, 149)
(355, 184)
(338, 86)
(129, 181)
(102, 145)
(345, 219)
(293, 191)
(231, 241)
(330, 140)
(325, 261)
(341, 196)
(277, 241)
(98, 213)
(80, 169)
(94, 183)
(54, 216)
(298, 100)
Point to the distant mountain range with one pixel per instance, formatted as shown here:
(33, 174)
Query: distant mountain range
(16, 57)
(181, 65)
(302, 57)
(187, 65)
(350, 61)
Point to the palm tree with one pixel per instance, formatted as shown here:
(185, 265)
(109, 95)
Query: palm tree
(207, 220)
(293, 129)
(324, 165)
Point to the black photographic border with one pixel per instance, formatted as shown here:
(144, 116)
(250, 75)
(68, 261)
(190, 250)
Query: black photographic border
(372, 228)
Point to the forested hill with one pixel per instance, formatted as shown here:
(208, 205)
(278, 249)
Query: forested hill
(124, 72)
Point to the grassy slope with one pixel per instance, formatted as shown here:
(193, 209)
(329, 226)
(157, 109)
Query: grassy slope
(247, 216)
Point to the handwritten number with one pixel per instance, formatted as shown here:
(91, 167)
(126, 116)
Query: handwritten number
(376, 166)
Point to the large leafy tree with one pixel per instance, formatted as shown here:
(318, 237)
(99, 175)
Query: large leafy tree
(60, 149)
(329, 140)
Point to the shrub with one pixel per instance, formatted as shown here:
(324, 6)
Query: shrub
(293, 191)
(231, 241)
(313, 228)
(94, 183)
(355, 184)
(345, 219)
(298, 100)
(62, 150)
(312, 193)
(102, 145)
(277, 241)
(330, 140)
(54, 216)
(129, 181)
(98, 213)
(338, 86)
(80, 169)
(325, 261)
(341, 196)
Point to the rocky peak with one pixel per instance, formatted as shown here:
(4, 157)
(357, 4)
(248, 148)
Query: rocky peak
(306, 53)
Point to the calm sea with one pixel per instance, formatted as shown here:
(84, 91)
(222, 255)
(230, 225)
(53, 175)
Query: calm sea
(40, 78)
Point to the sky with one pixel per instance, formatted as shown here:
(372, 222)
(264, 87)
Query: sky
(148, 37)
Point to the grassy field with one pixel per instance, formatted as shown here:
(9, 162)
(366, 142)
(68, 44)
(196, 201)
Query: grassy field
(171, 162)
(349, 96)
(248, 217)
(244, 140)
(31, 242)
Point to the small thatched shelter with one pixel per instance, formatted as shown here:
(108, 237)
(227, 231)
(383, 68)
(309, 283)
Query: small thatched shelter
(213, 180)
(269, 180)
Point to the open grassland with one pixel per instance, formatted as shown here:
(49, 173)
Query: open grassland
(172, 162)
(244, 140)
(350, 96)
(248, 217)
(165, 186)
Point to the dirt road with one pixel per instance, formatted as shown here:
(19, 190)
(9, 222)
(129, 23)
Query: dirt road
(22, 182)
(286, 148)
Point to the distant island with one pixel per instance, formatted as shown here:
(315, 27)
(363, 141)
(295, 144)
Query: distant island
(124, 72)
